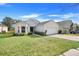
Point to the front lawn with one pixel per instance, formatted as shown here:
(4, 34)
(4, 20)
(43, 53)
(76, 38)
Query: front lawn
(6, 35)
(72, 34)
(35, 46)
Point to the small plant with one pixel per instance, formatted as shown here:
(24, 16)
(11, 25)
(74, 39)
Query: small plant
(64, 31)
(60, 31)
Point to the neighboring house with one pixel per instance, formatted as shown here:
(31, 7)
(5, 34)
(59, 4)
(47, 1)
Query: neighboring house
(64, 26)
(75, 29)
(3, 28)
(47, 27)
(26, 26)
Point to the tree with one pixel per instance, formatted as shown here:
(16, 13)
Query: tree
(77, 27)
(71, 27)
(8, 22)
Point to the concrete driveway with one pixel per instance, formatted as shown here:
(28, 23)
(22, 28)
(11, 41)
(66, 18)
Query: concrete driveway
(67, 37)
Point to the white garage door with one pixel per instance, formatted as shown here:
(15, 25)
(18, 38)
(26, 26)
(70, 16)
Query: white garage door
(51, 31)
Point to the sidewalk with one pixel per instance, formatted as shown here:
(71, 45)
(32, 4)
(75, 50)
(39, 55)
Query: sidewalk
(71, 52)
(74, 38)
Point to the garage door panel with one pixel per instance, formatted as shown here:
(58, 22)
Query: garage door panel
(51, 30)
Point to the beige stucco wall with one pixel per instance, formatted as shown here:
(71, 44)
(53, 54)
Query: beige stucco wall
(4, 29)
(20, 24)
(39, 28)
(51, 27)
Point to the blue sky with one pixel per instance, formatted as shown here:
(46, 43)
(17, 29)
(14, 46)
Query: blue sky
(41, 11)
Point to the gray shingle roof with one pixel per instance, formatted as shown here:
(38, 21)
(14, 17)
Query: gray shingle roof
(65, 23)
(30, 22)
(42, 23)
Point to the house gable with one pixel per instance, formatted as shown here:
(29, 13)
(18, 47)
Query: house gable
(32, 22)
(65, 24)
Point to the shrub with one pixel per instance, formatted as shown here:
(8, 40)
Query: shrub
(20, 34)
(65, 31)
(59, 31)
(5, 35)
(3, 31)
(40, 33)
(29, 33)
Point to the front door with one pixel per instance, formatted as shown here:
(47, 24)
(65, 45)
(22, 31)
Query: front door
(31, 29)
(23, 29)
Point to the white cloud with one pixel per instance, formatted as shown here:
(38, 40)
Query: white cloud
(58, 20)
(41, 19)
(4, 4)
(53, 15)
(69, 16)
(66, 16)
(30, 16)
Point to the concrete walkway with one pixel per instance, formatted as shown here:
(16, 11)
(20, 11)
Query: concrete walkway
(71, 52)
(67, 37)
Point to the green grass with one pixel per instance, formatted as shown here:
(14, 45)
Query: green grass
(6, 35)
(72, 34)
(35, 46)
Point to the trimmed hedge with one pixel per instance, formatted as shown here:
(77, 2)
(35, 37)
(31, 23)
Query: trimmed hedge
(3, 32)
(29, 33)
(5, 35)
(20, 34)
(40, 33)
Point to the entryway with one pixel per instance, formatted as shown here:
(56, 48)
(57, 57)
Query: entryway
(23, 29)
(31, 29)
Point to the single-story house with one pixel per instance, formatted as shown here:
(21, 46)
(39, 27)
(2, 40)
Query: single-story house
(3, 28)
(48, 27)
(26, 26)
